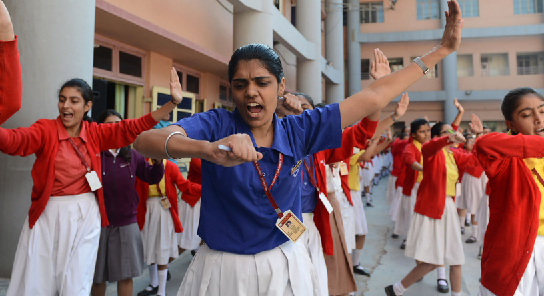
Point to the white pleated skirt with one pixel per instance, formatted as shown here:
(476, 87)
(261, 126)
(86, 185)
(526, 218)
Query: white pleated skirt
(405, 212)
(283, 271)
(359, 217)
(472, 193)
(347, 219)
(189, 216)
(368, 176)
(58, 255)
(158, 234)
(390, 193)
(482, 217)
(312, 242)
(436, 241)
(395, 204)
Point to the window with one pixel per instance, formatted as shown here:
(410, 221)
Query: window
(469, 8)
(365, 69)
(189, 79)
(465, 65)
(185, 109)
(428, 9)
(433, 72)
(495, 64)
(372, 12)
(103, 58)
(527, 6)
(130, 64)
(119, 62)
(224, 93)
(531, 63)
(396, 64)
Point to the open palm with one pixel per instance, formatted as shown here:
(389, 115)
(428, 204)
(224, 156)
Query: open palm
(380, 65)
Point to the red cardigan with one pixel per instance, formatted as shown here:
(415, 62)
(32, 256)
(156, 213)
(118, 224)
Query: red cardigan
(398, 159)
(410, 155)
(194, 175)
(172, 177)
(397, 147)
(42, 139)
(431, 195)
(514, 204)
(11, 83)
(354, 136)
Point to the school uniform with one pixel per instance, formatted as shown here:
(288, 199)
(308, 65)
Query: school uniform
(189, 209)
(237, 221)
(10, 97)
(58, 246)
(512, 253)
(482, 215)
(434, 235)
(412, 179)
(397, 150)
(359, 217)
(472, 188)
(160, 225)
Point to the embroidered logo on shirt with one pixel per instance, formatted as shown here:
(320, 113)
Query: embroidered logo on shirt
(295, 169)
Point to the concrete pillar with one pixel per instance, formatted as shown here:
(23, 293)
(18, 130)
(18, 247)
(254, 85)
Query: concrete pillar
(252, 26)
(354, 48)
(308, 16)
(56, 40)
(449, 75)
(334, 50)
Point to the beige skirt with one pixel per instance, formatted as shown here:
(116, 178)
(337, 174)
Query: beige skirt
(347, 220)
(406, 212)
(472, 193)
(436, 241)
(189, 216)
(282, 271)
(390, 193)
(158, 234)
(359, 217)
(395, 204)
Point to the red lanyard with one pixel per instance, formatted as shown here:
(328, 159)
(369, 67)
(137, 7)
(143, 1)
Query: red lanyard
(268, 188)
(311, 175)
(538, 176)
(80, 155)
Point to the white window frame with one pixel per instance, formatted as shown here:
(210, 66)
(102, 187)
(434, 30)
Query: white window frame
(114, 74)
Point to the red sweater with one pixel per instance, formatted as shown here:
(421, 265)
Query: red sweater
(431, 195)
(514, 204)
(410, 155)
(195, 176)
(172, 177)
(398, 150)
(397, 147)
(42, 139)
(11, 82)
(354, 136)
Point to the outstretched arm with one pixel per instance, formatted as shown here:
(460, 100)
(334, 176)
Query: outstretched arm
(377, 95)
(6, 26)
(457, 121)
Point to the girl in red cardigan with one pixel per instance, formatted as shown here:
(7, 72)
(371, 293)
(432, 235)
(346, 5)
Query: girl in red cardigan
(58, 246)
(513, 253)
(434, 238)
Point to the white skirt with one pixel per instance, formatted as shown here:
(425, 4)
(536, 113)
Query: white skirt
(436, 241)
(368, 176)
(390, 193)
(158, 234)
(395, 204)
(312, 242)
(405, 212)
(58, 255)
(458, 193)
(482, 217)
(347, 219)
(532, 281)
(188, 239)
(283, 271)
(472, 193)
(359, 217)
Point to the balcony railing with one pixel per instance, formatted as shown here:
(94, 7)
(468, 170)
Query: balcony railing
(531, 70)
(496, 71)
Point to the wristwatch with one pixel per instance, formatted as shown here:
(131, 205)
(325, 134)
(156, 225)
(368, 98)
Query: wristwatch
(420, 63)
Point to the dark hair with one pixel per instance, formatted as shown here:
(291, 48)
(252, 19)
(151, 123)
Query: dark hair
(416, 124)
(307, 97)
(512, 100)
(125, 151)
(84, 89)
(320, 105)
(437, 128)
(255, 51)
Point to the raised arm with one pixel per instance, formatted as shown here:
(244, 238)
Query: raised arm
(377, 95)
(149, 173)
(460, 111)
(11, 86)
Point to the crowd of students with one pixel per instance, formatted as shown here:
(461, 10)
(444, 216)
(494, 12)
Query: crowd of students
(274, 196)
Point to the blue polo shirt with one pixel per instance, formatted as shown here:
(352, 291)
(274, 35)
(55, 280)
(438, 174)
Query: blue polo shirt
(308, 191)
(235, 214)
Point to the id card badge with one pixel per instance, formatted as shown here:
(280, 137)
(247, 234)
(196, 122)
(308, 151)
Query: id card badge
(291, 226)
(325, 202)
(92, 179)
(343, 169)
(165, 203)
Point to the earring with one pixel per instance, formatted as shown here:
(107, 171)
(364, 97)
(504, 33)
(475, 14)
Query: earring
(280, 97)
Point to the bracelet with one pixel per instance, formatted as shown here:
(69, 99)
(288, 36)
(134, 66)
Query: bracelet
(175, 104)
(166, 143)
(422, 65)
(393, 117)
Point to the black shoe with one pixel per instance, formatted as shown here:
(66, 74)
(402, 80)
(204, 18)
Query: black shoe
(168, 275)
(470, 240)
(467, 223)
(389, 291)
(369, 204)
(146, 292)
(462, 230)
(403, 245)
(394, 236)
(442, 288)
(359, 270)
(193, 252)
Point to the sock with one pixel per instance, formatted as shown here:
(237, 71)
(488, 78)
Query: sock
(455, 293)
(153, 278)
(462, 221)
(399, 289)
(441, 272)
(355, 256)
(162, 282)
